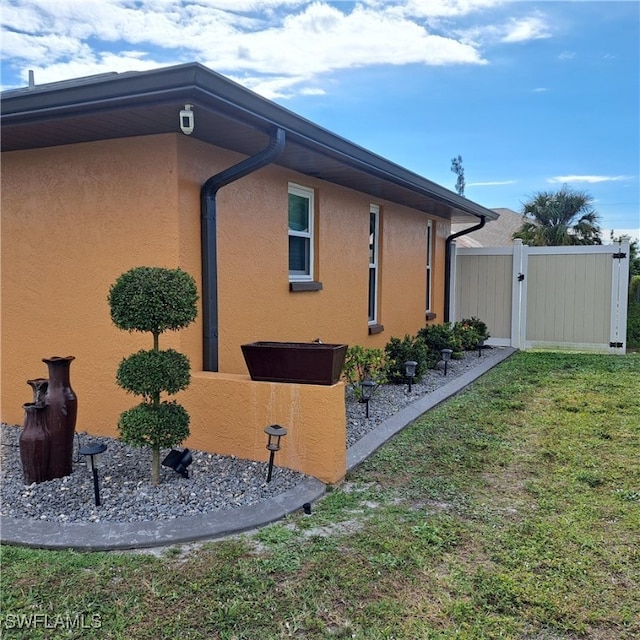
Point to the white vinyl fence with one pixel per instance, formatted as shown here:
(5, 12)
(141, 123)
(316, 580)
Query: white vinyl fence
(545, 297)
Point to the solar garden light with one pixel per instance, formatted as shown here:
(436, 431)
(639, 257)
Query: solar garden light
(274, 433)
(366, 391)
(179, 461)
(446, 356)
(480, 347)
(410, 371)
(94, 451)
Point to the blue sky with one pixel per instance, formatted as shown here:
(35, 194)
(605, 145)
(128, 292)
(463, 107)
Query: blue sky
(532, 95)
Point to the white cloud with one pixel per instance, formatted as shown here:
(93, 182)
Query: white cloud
(540, 90)
(588, 179)
(440, 8)
(530, 28)
(290, 41)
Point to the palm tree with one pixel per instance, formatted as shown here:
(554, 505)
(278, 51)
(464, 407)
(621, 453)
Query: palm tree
(565, 217)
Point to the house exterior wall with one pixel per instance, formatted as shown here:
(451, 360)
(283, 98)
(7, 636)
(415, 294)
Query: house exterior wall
(75, 217)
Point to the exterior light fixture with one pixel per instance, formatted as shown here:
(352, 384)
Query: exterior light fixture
(94, 450)
(179, 461)
(446, 356)
(186, 120)
(480, 347)
(274, 433)
(366, 391)
(410, 371)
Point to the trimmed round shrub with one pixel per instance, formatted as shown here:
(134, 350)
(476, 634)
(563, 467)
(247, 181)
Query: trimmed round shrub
(147, 373)
(158, 427)
(153, 299)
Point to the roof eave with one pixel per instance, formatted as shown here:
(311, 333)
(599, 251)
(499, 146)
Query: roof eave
(209, 90)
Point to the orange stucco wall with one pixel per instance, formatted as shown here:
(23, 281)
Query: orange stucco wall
(75, 217)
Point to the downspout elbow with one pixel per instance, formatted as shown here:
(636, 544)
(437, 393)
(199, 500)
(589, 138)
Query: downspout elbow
(248, 165)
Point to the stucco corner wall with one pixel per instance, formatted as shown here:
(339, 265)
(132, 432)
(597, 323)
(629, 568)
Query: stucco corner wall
(229, 413)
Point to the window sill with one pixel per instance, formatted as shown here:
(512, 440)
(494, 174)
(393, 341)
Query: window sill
(375, 328)
(305, 286)
(431, 316)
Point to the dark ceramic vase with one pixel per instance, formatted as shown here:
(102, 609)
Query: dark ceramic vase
(39, 387)
(62, 408)
(34, 444)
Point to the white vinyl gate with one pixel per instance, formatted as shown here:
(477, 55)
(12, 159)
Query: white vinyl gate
(545, 297)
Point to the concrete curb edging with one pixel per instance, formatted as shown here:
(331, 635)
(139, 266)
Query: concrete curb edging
(109, 536)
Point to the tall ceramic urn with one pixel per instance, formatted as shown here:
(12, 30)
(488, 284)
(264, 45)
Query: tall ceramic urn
(62, 408)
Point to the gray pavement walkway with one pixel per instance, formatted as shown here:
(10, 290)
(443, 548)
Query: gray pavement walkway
(106, 536)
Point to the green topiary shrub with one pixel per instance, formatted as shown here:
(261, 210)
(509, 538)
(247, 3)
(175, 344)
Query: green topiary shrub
(438, 337)
(400, 351)
(154, 300)
(361, 363)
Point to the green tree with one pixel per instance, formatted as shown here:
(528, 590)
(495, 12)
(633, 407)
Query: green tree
(154, 300)
(564, 217)
(458, 169)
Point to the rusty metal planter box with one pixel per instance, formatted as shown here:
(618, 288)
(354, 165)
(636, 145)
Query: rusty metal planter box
(295, 362)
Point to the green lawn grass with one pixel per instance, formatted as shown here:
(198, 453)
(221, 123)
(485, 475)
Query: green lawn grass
(510, 511)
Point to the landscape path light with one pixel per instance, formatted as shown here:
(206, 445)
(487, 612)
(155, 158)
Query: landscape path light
(94, 451)
(366, 392)
(410, 371)
(179, 461)
(480, 347)
(446, 356)
(274, 433)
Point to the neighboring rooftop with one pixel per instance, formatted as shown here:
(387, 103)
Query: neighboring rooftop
(496, 233)
(228, 115)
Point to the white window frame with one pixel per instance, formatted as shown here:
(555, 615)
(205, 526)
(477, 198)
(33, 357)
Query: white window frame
(429, 265)
(374, 209)
(303, 192)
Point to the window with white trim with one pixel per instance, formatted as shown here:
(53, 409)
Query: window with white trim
(429, 259)
(374, 233)
(301, 206)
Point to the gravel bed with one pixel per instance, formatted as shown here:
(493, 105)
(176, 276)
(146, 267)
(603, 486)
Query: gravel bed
(390, 398)
(126, 492)
(214, 483)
